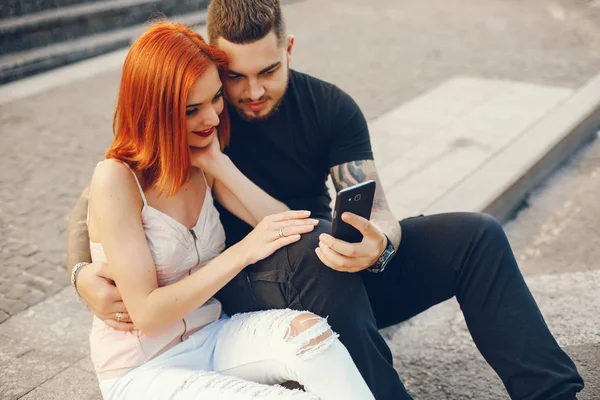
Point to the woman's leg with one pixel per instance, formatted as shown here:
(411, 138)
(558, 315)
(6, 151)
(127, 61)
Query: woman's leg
(278, 345)
(185, 384)
(184, 373)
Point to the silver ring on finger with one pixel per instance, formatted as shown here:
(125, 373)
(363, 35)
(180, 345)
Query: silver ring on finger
(280, 233)
(119, 316)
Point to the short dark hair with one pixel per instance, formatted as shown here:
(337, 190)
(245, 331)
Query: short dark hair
(244, 21)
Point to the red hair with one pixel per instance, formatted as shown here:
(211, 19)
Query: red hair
(150, 121)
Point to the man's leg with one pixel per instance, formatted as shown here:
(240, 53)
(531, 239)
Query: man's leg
(295, 278)
(467, 255)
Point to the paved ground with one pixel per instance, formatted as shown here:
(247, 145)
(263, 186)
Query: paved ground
(383, 52)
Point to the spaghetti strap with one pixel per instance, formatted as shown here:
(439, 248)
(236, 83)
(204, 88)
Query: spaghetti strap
(138, 183)
(205, 180)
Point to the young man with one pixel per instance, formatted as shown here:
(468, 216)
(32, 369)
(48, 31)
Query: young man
(289, 131)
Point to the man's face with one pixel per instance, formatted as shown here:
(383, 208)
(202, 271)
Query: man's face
(258, 75)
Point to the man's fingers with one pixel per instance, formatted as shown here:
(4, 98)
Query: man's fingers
(292, 214)
(119, 306)
(111, 294)
(339, 262)
(120, 326)
(360, 223)
(351, 250)
(326, 261)
(102, 270)
(335, 260)
(119, 316)
(110, 310)
(123, 317)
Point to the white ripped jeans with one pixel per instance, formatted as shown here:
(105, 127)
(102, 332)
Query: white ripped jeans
(242, 357)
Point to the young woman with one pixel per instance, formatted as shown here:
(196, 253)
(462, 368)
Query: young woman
(152, 219)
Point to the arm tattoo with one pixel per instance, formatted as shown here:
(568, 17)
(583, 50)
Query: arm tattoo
(352, 173)
(78, 240)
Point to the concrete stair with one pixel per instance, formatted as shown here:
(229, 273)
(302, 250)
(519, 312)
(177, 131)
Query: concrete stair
(71, 30)
(14, 8)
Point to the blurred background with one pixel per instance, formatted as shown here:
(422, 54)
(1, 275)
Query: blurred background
(478, 105)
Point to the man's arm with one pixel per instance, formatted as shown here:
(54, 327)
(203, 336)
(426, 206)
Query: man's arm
(351, 159)
(353, 257)
(352, 173)
(78, 240)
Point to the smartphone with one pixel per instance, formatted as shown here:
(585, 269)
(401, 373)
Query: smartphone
(357, 199)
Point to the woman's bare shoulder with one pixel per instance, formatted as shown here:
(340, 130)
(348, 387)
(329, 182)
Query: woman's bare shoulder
(113, 181)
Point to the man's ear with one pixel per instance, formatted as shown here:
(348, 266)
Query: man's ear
(290, 45)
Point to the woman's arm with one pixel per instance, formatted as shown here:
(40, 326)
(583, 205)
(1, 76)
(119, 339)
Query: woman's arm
(241, 196)
(234, 190)
(116, 223)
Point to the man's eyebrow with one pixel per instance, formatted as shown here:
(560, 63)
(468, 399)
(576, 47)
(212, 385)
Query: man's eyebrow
(198, 104)
(270, 67)
(230, 72)
(275, 64)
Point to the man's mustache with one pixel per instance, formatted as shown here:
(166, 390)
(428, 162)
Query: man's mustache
(244, 101)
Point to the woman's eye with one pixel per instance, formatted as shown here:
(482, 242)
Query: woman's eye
(191, 112)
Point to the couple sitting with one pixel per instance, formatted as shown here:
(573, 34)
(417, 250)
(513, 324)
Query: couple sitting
(182, 235)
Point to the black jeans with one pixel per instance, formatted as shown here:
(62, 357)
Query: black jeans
(466, 255)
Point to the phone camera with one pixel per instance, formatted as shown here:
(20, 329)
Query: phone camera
(357, 197)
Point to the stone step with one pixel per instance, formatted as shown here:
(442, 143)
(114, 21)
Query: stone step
(68, 23)
(22, 64)
(15, 8)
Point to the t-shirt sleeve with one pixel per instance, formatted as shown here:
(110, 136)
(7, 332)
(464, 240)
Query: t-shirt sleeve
(350, 139)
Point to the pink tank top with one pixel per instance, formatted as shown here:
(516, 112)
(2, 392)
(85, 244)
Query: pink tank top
(177, 252)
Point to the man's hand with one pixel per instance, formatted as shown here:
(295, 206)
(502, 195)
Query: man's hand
(352, 257)
(207, 158)
(99, 292)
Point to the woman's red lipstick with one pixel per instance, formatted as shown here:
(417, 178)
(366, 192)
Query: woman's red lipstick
(205, 133)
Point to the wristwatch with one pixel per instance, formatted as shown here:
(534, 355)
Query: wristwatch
(383, 259)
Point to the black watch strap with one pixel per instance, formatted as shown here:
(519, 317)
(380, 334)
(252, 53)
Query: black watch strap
(383, 259)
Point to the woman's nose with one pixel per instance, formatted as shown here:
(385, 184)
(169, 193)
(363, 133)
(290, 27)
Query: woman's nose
(211, 118)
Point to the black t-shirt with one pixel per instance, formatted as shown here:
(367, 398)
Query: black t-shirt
(316, 127)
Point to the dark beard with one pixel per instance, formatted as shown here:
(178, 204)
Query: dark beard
(265, 117)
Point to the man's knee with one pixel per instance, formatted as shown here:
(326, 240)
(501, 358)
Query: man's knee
(310, 241)
(488, 227)
(303, 251)
(489, 245)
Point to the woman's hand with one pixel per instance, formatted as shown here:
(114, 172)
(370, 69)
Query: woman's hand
(208, 158)
(274, 232)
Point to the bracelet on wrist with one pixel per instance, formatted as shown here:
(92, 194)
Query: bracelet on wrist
(74, 273)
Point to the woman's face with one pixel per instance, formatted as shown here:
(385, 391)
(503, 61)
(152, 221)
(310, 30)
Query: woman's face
(203, 107)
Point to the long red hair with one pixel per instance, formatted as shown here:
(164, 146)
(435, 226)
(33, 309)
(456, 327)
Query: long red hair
(150, 121)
